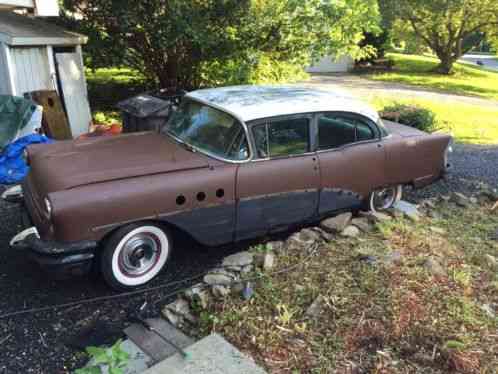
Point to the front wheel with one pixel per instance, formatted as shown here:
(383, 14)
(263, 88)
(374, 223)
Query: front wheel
(385, 198)
(134, 255)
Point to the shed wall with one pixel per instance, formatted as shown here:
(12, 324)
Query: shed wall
(4, 71)
(31, 69)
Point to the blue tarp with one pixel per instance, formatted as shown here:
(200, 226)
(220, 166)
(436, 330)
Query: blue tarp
(13, 166)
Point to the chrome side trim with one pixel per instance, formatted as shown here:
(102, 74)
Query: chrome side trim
(13, 192)
(24, 234)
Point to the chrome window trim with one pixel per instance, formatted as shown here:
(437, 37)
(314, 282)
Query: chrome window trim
(209, 154)
(266, 121)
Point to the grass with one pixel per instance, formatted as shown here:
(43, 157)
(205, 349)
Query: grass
(376, 318)
(417, 71)
(468, 123)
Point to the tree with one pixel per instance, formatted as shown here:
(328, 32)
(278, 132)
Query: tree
(176, 42)
(446, 26)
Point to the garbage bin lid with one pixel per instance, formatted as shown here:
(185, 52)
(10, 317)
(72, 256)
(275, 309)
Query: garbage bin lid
(143, 105)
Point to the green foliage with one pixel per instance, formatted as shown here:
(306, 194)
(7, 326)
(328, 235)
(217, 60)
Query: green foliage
(114, 358)
(449, 27)
(192, 43)
(411, 115)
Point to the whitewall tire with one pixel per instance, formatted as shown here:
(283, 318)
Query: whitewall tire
(134, 255)
(385, 198)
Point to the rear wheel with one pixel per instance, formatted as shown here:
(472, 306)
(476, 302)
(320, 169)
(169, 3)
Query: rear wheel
(134, 255)
(385, 198)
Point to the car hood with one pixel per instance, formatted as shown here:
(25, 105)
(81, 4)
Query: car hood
(70, 164)
(402, 130)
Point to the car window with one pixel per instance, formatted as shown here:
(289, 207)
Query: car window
(336, 130)
(208, 129)
(282, 138)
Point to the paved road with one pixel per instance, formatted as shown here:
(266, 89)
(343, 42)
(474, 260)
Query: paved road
(488, 61)
(367, 89)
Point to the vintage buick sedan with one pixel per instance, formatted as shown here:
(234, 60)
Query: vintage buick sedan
(230, 164)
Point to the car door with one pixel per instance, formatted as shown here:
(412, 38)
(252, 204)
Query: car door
(279, 187)
(352, 160)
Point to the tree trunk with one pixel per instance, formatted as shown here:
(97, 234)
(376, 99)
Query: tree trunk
(447, 60)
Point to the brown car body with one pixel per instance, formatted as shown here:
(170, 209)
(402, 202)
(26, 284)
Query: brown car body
(98, 185)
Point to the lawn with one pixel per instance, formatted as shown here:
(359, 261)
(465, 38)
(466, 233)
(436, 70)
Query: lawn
(377, 315)
(468, 123)
(417, 71)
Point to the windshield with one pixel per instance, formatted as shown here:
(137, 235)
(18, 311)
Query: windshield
(209, 130)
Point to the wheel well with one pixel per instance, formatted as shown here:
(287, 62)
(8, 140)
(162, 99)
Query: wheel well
(174, 230)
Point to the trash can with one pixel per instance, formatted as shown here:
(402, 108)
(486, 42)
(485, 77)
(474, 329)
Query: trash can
(148, 111)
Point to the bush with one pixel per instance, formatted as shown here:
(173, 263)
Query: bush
(410, 115)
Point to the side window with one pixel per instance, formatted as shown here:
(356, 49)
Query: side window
(336, 130)
(282, 138)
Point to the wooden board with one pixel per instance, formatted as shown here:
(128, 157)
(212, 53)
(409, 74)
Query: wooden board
(152, 344)
(74, 92)
(54, 120)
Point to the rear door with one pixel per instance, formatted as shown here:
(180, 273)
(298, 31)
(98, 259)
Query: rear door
(279, 187)
(352, 160)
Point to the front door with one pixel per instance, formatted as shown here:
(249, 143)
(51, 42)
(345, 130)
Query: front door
(352, 160)
(279, 188)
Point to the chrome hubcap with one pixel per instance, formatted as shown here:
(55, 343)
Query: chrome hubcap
(139, 254)
(385, 198)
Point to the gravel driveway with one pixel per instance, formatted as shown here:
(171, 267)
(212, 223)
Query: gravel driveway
(41, 342)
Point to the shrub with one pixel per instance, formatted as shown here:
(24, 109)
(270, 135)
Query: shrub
(410, 115)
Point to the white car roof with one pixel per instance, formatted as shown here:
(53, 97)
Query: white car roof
(249, 103)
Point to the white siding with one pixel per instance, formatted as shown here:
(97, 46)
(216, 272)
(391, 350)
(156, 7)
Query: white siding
(31, 69)
(4, 71)
(329, 64)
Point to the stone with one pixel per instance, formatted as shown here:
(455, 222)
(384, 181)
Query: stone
(219, 276)
(173, 318)
(351, 232)
(335, 225)
(276, 245)
(266, 260)
(181, 307)
(362, 223)
(473, 200)
(488, 309)
(309, 235)
(198, 294)
(376, 217)
(428, 203)
(460, 199)
(296, 242)
(393, 258)
(246, 269)
(220, 292)
(488, 195)
(437, 230)
(328, 237)
(491, 261)
(445, 198)
(408, 210)
(316, 308)
(238, 259)
(434, 267)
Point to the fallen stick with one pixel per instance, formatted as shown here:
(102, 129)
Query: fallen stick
(5, 339)
(494, 207)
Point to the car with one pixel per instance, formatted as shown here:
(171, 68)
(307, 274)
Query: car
(231, 164)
